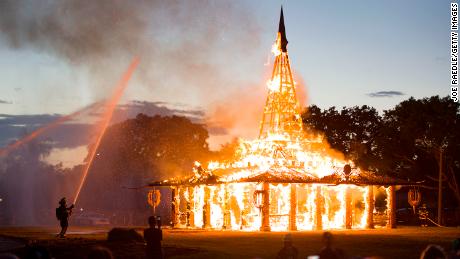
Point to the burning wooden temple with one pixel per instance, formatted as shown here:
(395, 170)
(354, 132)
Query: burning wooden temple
(287, 179)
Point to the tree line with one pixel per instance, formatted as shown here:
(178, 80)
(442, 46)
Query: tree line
(405, 142)
(410, 141)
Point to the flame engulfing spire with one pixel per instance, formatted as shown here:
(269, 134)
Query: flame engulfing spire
(282, 32)
(282, 164)
(281, 114)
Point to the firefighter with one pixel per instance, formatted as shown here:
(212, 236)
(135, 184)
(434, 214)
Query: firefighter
(423, 215)
(62, 214)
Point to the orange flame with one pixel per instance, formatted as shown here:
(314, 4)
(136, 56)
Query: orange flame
(286, 152)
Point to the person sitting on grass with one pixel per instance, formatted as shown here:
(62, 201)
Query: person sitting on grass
(433, 252)
(328, 251)
(153, 237)
(288, 251)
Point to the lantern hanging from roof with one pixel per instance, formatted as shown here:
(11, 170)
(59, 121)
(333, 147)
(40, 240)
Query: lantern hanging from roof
(414, 197)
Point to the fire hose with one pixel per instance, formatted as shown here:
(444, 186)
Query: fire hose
(436, 224)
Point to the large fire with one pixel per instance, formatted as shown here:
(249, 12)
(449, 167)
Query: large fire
(280, 181)
(237, 206)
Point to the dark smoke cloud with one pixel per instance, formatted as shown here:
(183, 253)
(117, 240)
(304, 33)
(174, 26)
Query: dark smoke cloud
(79, 31)
(191, 50)
(176, 39)
(5, 102)
(185, 49)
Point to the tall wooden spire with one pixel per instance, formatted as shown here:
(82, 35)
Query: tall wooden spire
(281, 113)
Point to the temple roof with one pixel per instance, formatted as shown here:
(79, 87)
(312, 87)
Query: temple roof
(285, 175)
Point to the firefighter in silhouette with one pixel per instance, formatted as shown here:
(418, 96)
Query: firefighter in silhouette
(62, 214)
(423, 215)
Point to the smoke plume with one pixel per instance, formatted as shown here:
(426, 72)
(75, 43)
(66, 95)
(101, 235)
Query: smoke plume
(187, 49)
(181, 43)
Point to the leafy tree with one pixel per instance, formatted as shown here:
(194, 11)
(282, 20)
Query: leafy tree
(351, 131)
(131, 154)
(415, 134)
(30, 187)
(405, 142)
(137, 151)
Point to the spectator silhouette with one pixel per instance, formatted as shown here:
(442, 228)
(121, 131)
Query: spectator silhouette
(153, 237)
(100, 252)
(288, 251)
(455, 253)
(433, 252)
(329, 251)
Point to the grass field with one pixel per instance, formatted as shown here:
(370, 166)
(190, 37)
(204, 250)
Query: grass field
(403, 242)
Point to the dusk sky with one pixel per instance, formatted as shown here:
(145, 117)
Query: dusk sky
(58, 58)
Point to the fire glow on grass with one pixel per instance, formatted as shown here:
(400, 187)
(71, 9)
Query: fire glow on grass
(280, 181)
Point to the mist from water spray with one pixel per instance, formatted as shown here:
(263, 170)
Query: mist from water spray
(34, 134)
(106, 118)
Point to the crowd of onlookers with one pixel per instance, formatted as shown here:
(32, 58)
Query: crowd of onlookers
(329, 251)
(153, 237)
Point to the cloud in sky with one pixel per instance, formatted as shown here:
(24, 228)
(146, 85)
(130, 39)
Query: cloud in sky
(4, 102)
(78, 132)
(385, 94)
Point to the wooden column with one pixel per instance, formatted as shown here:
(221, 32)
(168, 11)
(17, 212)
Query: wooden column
(174, 207)
(293, 208)
(348, 209)
(391, 207)
(265, 226)
(227, 220)
(370, 207)
(319, 209)
(191, 207)
(207, 208)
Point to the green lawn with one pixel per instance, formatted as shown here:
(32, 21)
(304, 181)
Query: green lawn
(404, 242)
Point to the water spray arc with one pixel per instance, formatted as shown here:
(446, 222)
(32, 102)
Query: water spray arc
(106, 118)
